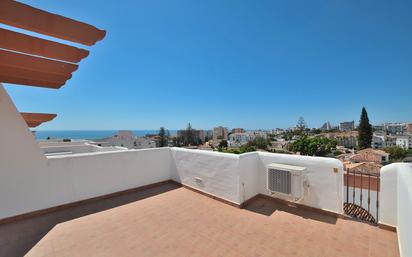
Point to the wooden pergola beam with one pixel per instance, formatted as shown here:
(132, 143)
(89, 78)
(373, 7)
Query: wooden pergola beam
(41, 47)
(35, 119)
(27, 17)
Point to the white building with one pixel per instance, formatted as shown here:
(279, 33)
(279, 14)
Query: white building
(238, 139)
(126, 138)
(60, 147)
(395, 128)
(277, 131)
(404, 142)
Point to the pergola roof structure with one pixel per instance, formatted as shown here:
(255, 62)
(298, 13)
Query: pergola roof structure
(33, 61)
(35, 119)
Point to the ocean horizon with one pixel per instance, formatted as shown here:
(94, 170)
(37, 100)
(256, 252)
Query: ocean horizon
(88, 134)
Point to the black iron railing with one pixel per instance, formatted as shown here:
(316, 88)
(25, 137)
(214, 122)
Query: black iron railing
(364, 181)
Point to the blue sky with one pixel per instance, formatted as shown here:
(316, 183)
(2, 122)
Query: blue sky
(251, 64)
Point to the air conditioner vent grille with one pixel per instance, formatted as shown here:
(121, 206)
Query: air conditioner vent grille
(279, 181)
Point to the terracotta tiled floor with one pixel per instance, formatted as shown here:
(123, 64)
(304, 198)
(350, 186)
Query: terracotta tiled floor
(181, 222)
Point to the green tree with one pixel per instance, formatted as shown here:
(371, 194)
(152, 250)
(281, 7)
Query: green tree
(301, 125)
(364, 130)
(163, 137)
(313, 146)
(396, 153)
(188, 137)
(260, 143)
(223, 144)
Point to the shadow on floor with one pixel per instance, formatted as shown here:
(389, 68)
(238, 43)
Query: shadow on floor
(268, 207)
(17, 238)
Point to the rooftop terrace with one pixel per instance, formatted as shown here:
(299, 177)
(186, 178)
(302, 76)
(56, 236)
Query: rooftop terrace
(124, 203)
(169, 220)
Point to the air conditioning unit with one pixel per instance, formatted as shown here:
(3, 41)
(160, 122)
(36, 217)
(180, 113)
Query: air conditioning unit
(287, 181)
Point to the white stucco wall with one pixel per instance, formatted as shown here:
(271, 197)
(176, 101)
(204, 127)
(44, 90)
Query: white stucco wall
(218, 172)
(249, 165)
(82, 176)
(79, 148)
(237, 178)
(326, 186)
(30, 181)
(23, 166)
(389, 195)
(396, 202)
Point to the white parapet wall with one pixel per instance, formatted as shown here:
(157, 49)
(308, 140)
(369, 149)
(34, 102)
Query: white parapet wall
(396, 203)
(237, 178)
(325, 177)
(211, 172)
(83, 176)
(30, 181)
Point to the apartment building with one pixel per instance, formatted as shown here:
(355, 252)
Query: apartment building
(347, 126)
(238, 130)
(220, 133)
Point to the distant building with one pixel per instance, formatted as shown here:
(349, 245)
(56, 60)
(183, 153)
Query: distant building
(55, 147)
(395, 128)
(238, 130)
(409, 128)
(238, 139)
(220, 133)
(363, 167)
(277, 131)
(404, 142)
(126, 138)
(198, 134)
(209, 134)
(345, 139)
(292, 129)
(378, 128)
(378, 141)
(326, 126)
(370, 155)
(347, 126)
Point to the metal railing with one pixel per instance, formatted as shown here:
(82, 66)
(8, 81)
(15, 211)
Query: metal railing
(363, 181)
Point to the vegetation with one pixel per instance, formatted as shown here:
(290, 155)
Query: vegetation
(249, 147)
(396, 153)
(163, 137)
(260, 143)
(313, 146)
(188, 137)
(364, 130)
(223, 144)
(289, 135)
(301, 125)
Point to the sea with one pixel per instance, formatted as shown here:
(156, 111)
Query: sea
(89, 134)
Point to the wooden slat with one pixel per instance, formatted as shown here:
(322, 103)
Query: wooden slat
(28, 62)
(34, 75)
(26, 17)
(30, 82)
(35, 119)
(36, 46)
